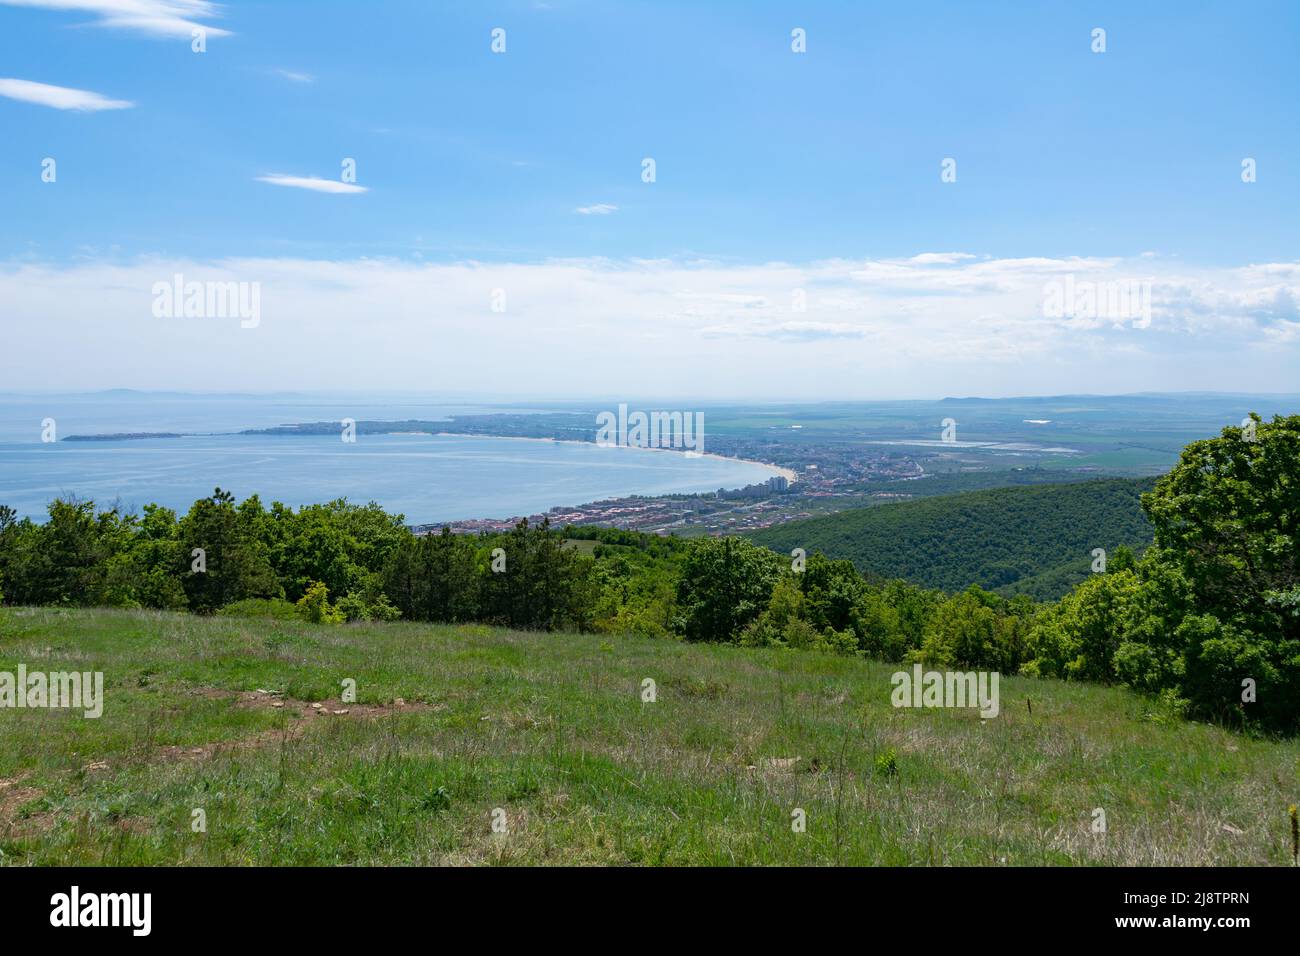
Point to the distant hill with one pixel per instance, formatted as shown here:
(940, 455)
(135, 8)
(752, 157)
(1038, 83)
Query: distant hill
(1034, 539)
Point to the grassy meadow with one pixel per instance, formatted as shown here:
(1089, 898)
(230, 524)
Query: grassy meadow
(452, 724)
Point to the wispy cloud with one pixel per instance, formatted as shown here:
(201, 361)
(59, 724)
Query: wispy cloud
(599, 209)
(157, 17)
(296, 77)
(940, 258)
(59, 97)
(794, 331)
(313, 183)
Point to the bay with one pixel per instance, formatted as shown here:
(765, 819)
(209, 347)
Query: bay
(427, 478)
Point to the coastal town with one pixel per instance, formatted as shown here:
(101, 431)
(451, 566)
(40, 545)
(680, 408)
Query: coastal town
(816, 472)
(829, 484)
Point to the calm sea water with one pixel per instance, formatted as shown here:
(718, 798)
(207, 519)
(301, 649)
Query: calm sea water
(426, 478)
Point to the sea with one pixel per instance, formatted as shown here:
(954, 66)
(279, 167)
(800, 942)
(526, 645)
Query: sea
(426, 478)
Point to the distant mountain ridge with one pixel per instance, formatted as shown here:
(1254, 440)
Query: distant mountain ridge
(1035, 539)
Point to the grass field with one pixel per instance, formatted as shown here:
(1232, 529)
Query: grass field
(454, 723)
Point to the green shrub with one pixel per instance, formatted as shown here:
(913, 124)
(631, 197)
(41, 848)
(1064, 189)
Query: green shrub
(887, 763)
(314, 606)
(366, 607)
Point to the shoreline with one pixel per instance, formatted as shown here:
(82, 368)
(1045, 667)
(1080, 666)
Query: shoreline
(769, 468)
(788, 473)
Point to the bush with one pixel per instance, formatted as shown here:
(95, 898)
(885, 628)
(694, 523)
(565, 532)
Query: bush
(314, 606)
(366, 607)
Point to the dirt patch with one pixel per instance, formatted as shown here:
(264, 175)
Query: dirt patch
(308, 710)
(12, 799)
(204, 751)
(13, 796)
(298, 716)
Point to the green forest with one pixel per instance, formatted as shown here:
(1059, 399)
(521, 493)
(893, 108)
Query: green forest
(1207, 617)
(1034, 540)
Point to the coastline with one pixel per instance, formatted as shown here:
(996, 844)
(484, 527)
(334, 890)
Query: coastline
(591, 499)
(788, 473)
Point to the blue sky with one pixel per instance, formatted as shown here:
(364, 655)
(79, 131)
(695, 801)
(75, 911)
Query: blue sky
(762, 155)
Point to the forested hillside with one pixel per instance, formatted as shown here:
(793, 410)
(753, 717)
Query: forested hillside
(1036, 540)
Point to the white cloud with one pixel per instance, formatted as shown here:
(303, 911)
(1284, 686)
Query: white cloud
(157, 17)
(599, 209)
(296, 77)
(59, 97)
(860, 329)
(940, 258)
(313, 183)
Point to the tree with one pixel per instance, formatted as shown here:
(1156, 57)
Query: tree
(1078, 636)
(963, 632)
(725, 584)
(831, 589)
(1215, 619)
(143, 575)
(434, 577)
(65, 560)
(317, 549)
(231, 562)
(1228, 515)
(539, 583)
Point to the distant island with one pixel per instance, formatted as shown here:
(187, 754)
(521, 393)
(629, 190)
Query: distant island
(557, 426)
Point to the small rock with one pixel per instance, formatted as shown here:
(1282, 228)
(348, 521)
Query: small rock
(400, 701)
(339, 713)
(317, 706)
(277, 703)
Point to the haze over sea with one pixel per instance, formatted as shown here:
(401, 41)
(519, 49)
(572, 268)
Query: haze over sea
(427, 478)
